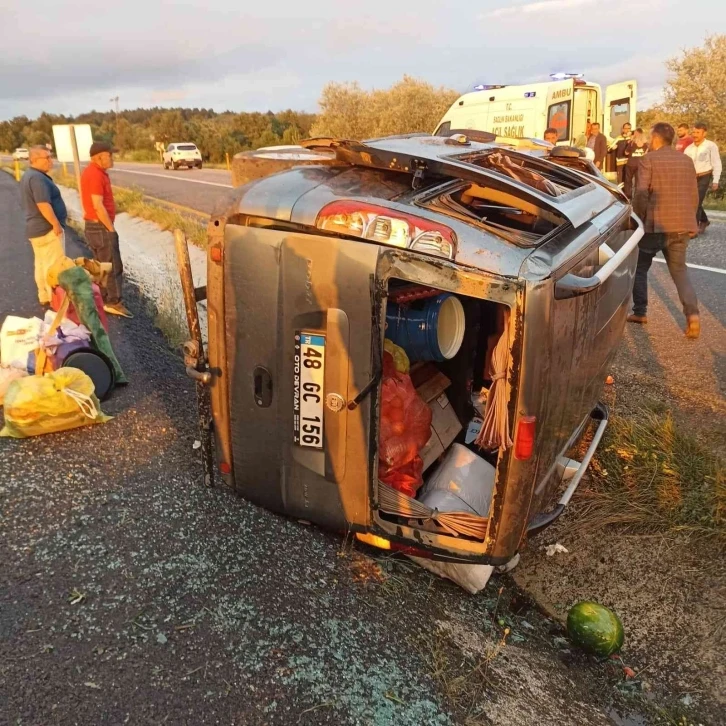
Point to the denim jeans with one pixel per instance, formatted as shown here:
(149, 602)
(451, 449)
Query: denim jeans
(674, 248)
(104, 245)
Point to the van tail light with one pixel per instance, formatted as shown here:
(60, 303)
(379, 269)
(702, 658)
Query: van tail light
(215, 253)
(524, 441)
(225, 468)
(388, 227)
(373, 540)
(411, 551)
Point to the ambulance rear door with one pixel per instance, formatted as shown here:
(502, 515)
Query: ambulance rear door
(619, 107)
(560, 109)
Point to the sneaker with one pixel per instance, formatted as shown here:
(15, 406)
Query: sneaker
(640, 319)
(118, 309)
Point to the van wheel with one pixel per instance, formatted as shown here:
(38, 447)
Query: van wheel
(174, 165)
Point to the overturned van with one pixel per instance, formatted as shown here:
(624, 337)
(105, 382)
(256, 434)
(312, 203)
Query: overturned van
(503, 274)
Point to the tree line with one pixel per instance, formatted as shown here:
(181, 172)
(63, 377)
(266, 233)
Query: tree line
(695, 91)
(136, 132)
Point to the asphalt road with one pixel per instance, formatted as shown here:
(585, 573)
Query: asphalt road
(194, 188)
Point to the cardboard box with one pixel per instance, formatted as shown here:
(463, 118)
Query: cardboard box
(445, 427)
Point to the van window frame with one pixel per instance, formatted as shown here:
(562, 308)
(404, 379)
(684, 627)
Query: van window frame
(568, 130)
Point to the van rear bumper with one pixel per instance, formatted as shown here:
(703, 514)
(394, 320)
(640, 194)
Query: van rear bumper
(572, 471)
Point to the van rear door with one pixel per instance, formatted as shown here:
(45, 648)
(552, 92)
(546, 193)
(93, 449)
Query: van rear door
(559, 108)
(298, 318)
(620, 100)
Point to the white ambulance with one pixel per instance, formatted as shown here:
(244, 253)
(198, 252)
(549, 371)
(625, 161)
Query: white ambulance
(566, 104)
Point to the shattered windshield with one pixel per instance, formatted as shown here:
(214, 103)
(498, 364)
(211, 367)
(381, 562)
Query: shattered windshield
(527, 171)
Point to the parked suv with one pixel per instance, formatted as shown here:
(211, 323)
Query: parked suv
(21, 154)
(184, 154)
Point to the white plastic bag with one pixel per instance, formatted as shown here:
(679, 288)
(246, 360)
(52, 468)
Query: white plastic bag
(18, 338)
(463, 482)
(67, 332)
(473, 578)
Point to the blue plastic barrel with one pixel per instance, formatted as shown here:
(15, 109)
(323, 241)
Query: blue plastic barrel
(433, 333)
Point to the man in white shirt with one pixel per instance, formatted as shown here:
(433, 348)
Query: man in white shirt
(707, 160)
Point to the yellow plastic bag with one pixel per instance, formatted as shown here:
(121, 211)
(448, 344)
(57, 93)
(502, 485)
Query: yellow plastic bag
(57, 401)
(400, 359)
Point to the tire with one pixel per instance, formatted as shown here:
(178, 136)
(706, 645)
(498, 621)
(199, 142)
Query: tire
(199, 166)
(174, 165)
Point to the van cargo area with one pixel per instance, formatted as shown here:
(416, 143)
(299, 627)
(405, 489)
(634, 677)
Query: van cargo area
(440, 372)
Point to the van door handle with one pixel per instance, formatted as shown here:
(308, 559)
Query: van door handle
(570, 285)
(263, 387)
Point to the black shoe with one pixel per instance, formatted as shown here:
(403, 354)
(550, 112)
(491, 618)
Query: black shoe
(639, 319)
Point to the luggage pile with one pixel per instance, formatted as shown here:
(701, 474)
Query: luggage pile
(54, 372)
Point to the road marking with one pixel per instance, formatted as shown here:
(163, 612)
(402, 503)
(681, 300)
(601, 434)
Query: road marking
(697, 267)
(174, 178)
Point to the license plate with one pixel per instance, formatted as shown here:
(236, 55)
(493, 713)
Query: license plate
(308, 389)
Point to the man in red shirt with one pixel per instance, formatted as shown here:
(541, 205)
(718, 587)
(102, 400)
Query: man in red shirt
(99, 213)
(684, 138)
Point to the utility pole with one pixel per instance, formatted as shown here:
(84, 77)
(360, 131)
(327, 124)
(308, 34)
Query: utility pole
(114, 100)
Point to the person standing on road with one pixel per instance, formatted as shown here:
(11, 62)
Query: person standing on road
(684, 139)
(707, 160)
(636, 149)
(618, 147)
(599, 145)
(666, 199)
(45, 217)
(99, 213)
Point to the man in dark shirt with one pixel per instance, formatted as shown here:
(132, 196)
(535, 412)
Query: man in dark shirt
(99, 213)
(666, 199)
(618, 148)
(45, 217)
(599, 145)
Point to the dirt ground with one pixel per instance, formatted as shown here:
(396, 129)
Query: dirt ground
(669, 589)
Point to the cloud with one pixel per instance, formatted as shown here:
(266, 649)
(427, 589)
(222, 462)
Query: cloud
(543, 6)
(172, 95)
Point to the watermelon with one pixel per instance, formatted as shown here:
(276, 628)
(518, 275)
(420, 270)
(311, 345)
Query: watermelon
(595, 628)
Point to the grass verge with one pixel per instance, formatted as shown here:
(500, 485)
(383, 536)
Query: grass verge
(652, 476)
(715, 204)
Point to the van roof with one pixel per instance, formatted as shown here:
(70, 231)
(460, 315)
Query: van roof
(363, 170)
(575, 197)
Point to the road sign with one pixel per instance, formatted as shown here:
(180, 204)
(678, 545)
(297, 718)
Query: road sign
(64, 145)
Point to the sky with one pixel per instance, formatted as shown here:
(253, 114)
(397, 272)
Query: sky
(243, 56)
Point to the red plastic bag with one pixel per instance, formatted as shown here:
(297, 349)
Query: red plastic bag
(407, 479)
(405, 429)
